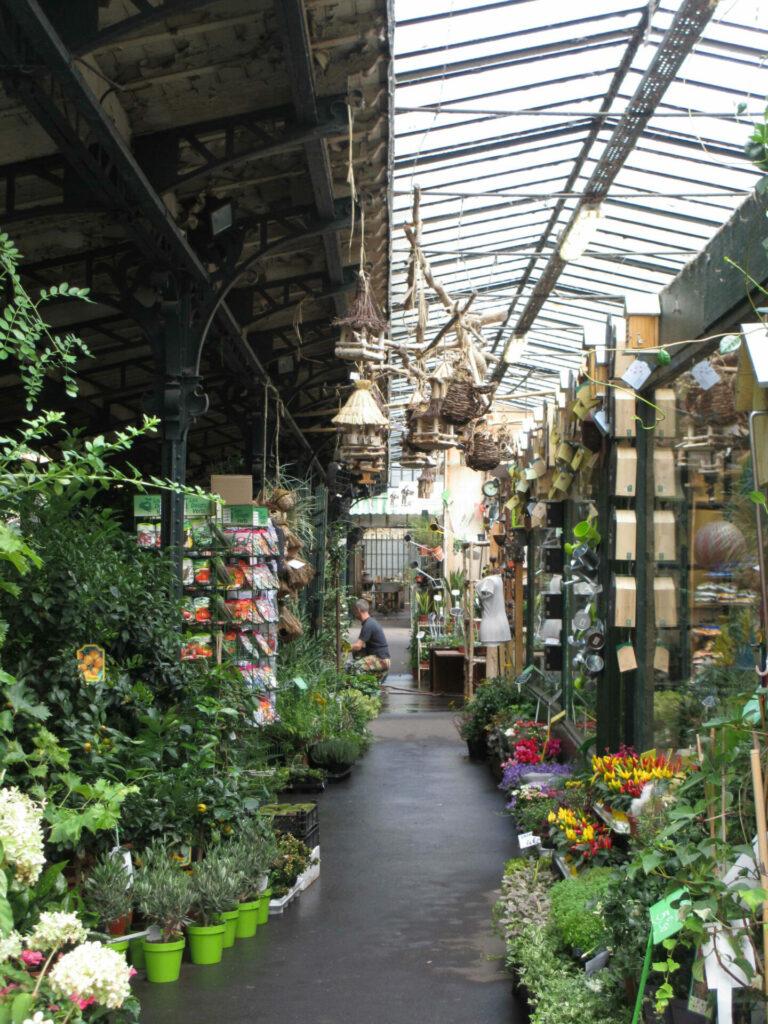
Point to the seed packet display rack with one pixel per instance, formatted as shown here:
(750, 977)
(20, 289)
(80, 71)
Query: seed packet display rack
(229, 569)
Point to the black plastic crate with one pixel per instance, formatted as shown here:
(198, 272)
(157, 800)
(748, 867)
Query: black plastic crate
(301, 822)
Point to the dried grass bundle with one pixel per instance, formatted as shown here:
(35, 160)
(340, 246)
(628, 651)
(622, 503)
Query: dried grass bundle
(289, 627)
(361, 408)
(363, 310)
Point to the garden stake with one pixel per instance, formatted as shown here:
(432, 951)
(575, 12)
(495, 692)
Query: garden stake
(762, 850)
(643, 978)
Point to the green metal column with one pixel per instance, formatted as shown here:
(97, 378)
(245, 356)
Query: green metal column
(638, 685)
(609, 704)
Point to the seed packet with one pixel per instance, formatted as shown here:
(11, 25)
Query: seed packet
(266, 713)
(202, 608)
(229, 644)
(188, 609)
(197, 647)
(187, 572)
(267, 607)
(240, 541)
(203, 571)
(148, 535)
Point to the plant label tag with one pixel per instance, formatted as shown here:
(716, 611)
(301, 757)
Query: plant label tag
(705, 375)
(661, 659)
(637, 373)
(528, 839)
(666, 919)
(625, 655)
(299, 682)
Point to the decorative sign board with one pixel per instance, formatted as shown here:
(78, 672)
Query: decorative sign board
(90, 663)
(528, 839)
(146, 505)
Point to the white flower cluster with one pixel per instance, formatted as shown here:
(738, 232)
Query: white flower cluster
(10, 947)
(55, 928)
(38, 1019)
(92, 971)
(21, 834)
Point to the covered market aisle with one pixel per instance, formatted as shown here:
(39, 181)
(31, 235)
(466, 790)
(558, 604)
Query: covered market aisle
(397, 928)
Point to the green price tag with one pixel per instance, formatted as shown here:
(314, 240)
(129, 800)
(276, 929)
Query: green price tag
(665, 918)
(239, 515)
(260, 516)
(298, 681)
(146, 505)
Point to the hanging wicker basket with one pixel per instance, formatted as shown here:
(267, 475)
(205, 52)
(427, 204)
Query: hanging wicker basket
(482, 451)
(463, 402)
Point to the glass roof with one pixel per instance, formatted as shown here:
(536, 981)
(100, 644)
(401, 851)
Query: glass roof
(503, 111)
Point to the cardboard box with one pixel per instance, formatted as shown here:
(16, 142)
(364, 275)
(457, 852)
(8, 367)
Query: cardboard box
(664, 475)
(626, 471)
(664, 547)
(624, 423)
(625, 534)
(666, 417)
(235, 490)
(625, 601)
(665, 602)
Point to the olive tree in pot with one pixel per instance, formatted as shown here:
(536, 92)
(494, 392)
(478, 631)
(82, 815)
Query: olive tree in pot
(107, 893)
(163, 894)
(253, 853)
(215, 887)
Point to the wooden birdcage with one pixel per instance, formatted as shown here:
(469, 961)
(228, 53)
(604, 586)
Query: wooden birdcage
(428, 430)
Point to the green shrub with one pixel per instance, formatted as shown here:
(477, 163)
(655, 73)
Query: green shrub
(334, 752)
(572, 910)
(490, 698)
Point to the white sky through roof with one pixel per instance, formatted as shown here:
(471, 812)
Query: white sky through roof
(492, 108)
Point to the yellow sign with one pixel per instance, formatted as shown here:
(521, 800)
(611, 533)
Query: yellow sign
(90, 663)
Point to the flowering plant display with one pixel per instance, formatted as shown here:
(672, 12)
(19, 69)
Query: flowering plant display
(579, 836)
(531, 805)
(49, 974)
(618, 779)
(513, 771)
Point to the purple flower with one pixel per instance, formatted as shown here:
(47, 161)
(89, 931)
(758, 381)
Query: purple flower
(513, 771)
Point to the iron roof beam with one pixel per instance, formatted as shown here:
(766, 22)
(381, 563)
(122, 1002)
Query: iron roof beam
(686, 28)
(136, 23)
(60, 99)
(294, 32)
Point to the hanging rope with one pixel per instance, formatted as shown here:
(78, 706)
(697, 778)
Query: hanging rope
(351, 172)
(298, 319)
(264, 434)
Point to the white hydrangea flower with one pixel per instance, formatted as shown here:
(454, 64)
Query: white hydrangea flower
(38, 1019)
(92, 971)
(21, 834)
(10, 947)
(55, 928)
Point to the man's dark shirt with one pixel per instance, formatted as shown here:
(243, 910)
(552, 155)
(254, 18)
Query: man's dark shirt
(375, 641)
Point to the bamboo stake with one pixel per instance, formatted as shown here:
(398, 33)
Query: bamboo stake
(762, 849)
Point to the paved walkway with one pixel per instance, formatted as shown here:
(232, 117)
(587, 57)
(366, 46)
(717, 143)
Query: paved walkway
(397, 930)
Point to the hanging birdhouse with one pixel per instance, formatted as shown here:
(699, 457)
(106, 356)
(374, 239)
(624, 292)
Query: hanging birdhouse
(428, 431)
(426, 483)
(363, 330)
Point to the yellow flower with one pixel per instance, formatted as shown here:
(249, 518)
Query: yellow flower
(202, 808)
(551, 816)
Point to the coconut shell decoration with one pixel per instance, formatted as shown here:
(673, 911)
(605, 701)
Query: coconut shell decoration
(718, 543)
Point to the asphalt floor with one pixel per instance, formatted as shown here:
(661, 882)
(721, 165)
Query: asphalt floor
(398, 927)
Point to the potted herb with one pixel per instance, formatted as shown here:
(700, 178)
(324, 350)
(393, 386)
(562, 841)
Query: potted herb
(215, 886)
(424, 605)
(336, 754)
(108, 894)
(163, 894)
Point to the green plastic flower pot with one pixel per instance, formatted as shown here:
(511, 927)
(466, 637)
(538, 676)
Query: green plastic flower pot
(206, 943)
(136, 953)
(120, 947)
(229, 917)
(264, 906)
(163, 960)
(248, 919)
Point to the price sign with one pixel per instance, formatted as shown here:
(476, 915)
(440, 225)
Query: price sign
(636, 374)
(705, 375)
(528, 839)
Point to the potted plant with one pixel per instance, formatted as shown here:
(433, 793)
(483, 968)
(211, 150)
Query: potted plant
(163, 894)
(254, 853)
(292, 859)
(336, 754)
(108, 894)
(424, 605)
(215, 887)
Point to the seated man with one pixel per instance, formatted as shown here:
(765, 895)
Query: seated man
(371, 643)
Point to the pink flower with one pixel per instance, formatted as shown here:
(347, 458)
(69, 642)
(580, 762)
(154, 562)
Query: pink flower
(132, 972)
(32, 957)
(8, 988)
(82, 1003)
